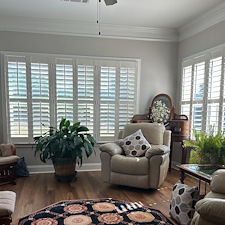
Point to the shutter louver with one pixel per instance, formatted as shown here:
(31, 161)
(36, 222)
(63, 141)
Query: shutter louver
(212, 118)
(85, 89)
(107, 100)
(39, 81)
(214, 88)
(17, 92)
(17, 80)
(64, 110)
(215, 78)
(199, 73)
(107, 120)
(186, 83)
(18, 119)
(41, 117)
(126, 95)
(64, 92)
(64, 82)
(197, 117)
(40, 98)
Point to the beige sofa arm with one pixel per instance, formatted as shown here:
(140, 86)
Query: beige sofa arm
(212, 209)
(218, 180)
(111, 148)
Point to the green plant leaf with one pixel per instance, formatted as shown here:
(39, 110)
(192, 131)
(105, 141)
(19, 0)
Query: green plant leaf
(82, 129)
(91, 139)
(67, 123)
(62, 123)
(88, 148)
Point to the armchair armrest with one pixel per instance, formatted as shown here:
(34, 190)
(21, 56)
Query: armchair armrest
(111, 148)
(212, 209)
(157, 150)
(167, 137)
(218, 180)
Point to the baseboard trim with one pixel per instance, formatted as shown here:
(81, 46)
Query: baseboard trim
(50, 169)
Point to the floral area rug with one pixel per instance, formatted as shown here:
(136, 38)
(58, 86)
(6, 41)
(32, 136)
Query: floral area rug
(95, 211)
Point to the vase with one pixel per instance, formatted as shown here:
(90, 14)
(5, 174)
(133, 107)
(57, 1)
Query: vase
(65, 169)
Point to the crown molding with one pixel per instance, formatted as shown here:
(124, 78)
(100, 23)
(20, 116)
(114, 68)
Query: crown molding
(212, 17)
(69, 27)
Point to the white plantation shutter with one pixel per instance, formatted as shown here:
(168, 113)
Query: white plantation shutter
(85, 93)
(203, 80)
(64, 90)
(214, 92)
(17, 94)
(18, 119)
(101, 94)
(40, 97)
(41, 117)
(127, 90)
(108, 74)
(187, 83)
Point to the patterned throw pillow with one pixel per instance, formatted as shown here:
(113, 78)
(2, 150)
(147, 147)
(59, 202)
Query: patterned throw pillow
(182, 203)
(135, 144)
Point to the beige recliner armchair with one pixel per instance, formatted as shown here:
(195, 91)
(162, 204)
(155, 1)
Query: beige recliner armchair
(148, 171)
(211, 209)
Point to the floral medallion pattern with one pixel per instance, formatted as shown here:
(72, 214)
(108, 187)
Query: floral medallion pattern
(75, 208)
(45, 221)
(95, 211)
(103, 207)
(110, 218)
(77, 219)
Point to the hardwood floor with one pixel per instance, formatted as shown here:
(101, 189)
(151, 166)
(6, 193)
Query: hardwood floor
(39, 190)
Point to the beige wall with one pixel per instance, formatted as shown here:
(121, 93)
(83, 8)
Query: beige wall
(158, 64)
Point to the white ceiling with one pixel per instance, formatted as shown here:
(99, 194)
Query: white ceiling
(169, 14)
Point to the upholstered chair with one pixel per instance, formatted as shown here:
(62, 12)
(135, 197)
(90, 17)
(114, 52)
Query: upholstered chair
(146, 171)
(211, 209)
(8, 161)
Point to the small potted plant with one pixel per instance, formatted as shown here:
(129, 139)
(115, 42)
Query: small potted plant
(207, 148)
(65, 147)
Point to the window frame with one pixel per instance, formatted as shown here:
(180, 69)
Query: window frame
(52, 61)
(207, 57)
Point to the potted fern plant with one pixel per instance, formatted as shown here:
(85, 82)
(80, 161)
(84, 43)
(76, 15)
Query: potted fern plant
(208, 148)
(65, 146)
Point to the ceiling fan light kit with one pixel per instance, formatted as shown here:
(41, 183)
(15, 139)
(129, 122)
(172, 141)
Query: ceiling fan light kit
(110, 2)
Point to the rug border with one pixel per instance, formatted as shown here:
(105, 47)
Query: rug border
(17, 220)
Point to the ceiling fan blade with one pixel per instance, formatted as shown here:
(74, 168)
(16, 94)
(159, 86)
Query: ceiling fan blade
(110, 2)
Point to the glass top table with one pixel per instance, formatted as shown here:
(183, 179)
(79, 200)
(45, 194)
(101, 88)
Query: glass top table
(201, 171)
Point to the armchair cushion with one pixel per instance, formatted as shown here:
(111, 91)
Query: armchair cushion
(135, 144)
(9, 159)
(157, 150)
(212, 209)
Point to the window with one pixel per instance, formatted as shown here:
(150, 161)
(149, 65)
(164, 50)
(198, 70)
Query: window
(40, 90)
(202, 95)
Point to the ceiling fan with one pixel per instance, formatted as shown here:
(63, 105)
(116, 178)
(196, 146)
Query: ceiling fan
(110, 2)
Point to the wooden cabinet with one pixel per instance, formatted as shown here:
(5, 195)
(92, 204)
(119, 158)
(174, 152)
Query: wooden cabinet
(180, 131)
